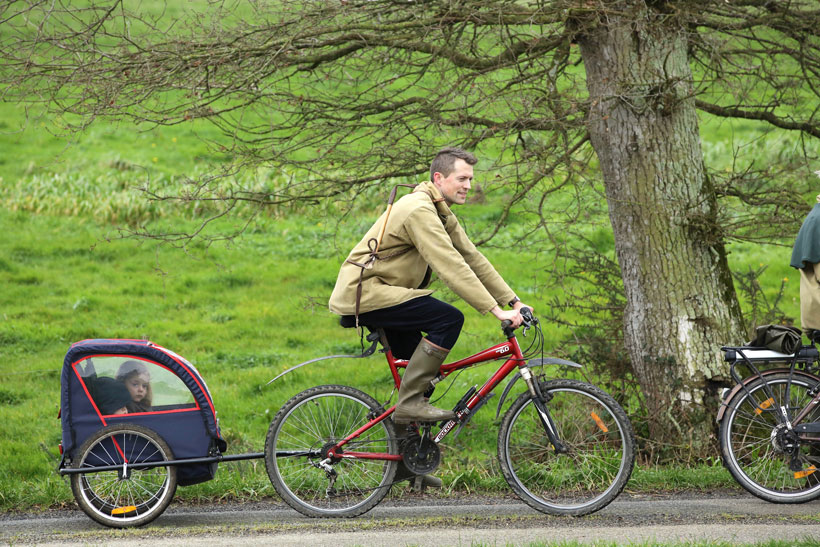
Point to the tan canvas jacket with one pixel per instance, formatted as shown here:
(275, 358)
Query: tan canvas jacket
(421, 231)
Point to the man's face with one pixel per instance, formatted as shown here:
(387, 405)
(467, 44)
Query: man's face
(454, 187)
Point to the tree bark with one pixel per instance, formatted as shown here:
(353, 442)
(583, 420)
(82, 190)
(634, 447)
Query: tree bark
(681, 303)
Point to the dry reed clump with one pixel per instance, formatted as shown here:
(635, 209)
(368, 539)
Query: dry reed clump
(111, 198)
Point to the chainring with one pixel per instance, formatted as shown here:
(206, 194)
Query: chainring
(420, 454)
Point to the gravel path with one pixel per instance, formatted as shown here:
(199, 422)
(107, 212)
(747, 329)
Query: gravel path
(429, 520)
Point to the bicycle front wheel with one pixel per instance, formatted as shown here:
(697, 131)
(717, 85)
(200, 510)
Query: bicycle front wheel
(126, 496)
(599, 456)
(765, 458)
(295, 453)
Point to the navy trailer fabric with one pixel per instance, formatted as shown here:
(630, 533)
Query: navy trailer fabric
(112, 381)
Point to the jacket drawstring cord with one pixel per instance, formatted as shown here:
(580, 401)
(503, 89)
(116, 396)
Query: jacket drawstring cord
(373, 245)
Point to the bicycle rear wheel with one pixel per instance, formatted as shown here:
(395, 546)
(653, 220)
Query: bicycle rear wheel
(304, 428)
(126, 496)
(755, 446)
(599, 457)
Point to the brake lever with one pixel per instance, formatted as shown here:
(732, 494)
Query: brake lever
(529, 320)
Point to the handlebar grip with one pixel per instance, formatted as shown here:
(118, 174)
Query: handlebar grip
(506, 323)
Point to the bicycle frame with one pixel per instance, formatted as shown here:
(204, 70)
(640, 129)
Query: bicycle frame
(514, 359)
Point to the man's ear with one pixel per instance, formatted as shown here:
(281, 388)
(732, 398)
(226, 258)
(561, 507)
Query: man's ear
(437, 177)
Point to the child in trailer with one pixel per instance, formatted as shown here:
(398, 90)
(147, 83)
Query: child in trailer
(137, 380)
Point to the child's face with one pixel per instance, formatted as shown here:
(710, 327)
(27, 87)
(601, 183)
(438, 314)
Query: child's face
(137, 386)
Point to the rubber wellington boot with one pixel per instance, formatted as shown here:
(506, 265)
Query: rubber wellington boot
(417, 482)
(421, 369)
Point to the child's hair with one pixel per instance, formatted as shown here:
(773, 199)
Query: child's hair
(129, 369)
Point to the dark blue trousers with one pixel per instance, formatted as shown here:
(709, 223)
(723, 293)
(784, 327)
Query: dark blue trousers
(404, 324)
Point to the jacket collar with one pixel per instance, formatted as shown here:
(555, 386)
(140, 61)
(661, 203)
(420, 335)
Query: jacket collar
(435, 194)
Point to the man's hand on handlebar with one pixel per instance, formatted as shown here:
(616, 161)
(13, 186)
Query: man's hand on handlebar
(517, 307)
(514, 316)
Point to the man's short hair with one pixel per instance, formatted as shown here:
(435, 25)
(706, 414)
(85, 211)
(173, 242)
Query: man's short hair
(446, 157)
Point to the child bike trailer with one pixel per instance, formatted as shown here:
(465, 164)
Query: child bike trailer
(137, 420)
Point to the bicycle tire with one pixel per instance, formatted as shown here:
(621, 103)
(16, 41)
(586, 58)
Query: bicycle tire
(600, 452)
(316, 418)
(751, 447)
(127, 497)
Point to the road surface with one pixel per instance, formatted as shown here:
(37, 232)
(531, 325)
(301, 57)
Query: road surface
(430, 520)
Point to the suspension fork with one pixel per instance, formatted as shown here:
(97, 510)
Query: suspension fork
(541, 407)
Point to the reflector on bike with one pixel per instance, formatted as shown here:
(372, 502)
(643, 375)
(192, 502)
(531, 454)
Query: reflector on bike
(601, 425)
(764, 405)
(805, 473)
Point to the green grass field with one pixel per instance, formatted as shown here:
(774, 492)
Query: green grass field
(241, 315)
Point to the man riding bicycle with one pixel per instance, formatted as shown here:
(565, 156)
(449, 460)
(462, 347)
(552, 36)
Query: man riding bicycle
(382, 282)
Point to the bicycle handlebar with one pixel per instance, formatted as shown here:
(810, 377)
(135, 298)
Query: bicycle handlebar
(526, 313)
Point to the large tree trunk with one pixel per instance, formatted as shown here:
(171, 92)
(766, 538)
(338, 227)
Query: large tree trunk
(681, 303)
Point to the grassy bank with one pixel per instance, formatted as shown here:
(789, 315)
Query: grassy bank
(241, 313)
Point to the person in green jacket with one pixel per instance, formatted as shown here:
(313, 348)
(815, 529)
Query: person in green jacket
(806, 258)
(383, 281)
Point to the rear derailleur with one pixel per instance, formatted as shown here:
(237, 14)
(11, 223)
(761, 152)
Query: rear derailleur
(325, 465)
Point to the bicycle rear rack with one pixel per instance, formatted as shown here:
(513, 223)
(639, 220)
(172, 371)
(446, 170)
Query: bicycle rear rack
(806, 358)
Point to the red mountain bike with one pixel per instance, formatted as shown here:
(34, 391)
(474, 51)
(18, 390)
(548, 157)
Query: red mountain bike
(565, 446)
